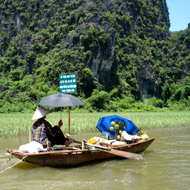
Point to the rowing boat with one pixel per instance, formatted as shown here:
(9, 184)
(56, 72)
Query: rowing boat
(76, 155)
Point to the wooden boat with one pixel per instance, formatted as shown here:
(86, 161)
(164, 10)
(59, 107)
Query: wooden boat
(75, 155)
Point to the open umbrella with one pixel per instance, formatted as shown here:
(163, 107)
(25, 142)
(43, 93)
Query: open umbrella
(61, 100)
(104, 125)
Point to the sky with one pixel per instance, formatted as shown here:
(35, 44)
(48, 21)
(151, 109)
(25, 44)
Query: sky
(179, 13)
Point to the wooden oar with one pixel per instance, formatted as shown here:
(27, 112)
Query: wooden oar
(120, 153)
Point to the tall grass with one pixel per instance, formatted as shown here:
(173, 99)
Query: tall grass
(15, 123)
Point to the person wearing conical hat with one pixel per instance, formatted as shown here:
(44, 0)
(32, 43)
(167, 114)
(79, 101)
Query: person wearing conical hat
(44, 133)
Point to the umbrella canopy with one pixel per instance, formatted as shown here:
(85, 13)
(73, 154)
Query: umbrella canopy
(104, 125)
(60, 100)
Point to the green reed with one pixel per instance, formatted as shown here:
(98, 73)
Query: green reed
(20, 123)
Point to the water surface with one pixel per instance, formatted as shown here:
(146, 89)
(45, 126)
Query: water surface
(166, 166)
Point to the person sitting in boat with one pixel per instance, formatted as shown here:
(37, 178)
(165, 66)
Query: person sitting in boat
(44, 133)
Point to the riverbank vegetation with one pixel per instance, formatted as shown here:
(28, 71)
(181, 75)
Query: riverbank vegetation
(20, 123)
(102, 101)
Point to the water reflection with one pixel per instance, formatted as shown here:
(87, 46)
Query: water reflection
(166, 165)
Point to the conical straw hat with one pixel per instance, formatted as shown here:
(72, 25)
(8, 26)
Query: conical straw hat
(40, 112)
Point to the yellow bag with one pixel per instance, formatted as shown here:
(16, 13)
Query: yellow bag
(92, 140)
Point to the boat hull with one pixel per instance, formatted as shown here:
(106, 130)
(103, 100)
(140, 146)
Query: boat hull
(71, 158)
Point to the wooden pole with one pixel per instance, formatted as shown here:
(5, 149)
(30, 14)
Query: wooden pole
(121, 153)
(113, 151)
(61, 113)
(68, 119)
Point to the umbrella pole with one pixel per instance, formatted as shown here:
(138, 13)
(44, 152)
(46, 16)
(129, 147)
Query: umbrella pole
(69, 119)
(61, 113)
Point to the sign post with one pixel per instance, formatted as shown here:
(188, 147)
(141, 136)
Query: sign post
(68, 84)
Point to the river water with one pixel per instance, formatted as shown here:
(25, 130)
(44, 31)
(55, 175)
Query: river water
(166, 166)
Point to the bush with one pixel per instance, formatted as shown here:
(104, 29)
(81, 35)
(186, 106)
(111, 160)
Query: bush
(114, 94)
(99, 100)
(113, 107)
(154, 102)
(126, 103)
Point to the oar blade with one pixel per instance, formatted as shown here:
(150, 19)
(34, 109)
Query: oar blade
(125, 154)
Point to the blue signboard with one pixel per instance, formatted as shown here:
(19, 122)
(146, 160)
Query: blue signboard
(68, 83)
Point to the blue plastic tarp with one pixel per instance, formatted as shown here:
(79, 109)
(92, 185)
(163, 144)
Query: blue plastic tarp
(104, 125)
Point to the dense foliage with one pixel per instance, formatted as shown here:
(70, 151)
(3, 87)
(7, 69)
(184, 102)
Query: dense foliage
(122, 51)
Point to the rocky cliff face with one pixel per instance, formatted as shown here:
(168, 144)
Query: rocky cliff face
(101, 61)
(148, 19)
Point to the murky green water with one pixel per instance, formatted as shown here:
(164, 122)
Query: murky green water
(166, 166)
